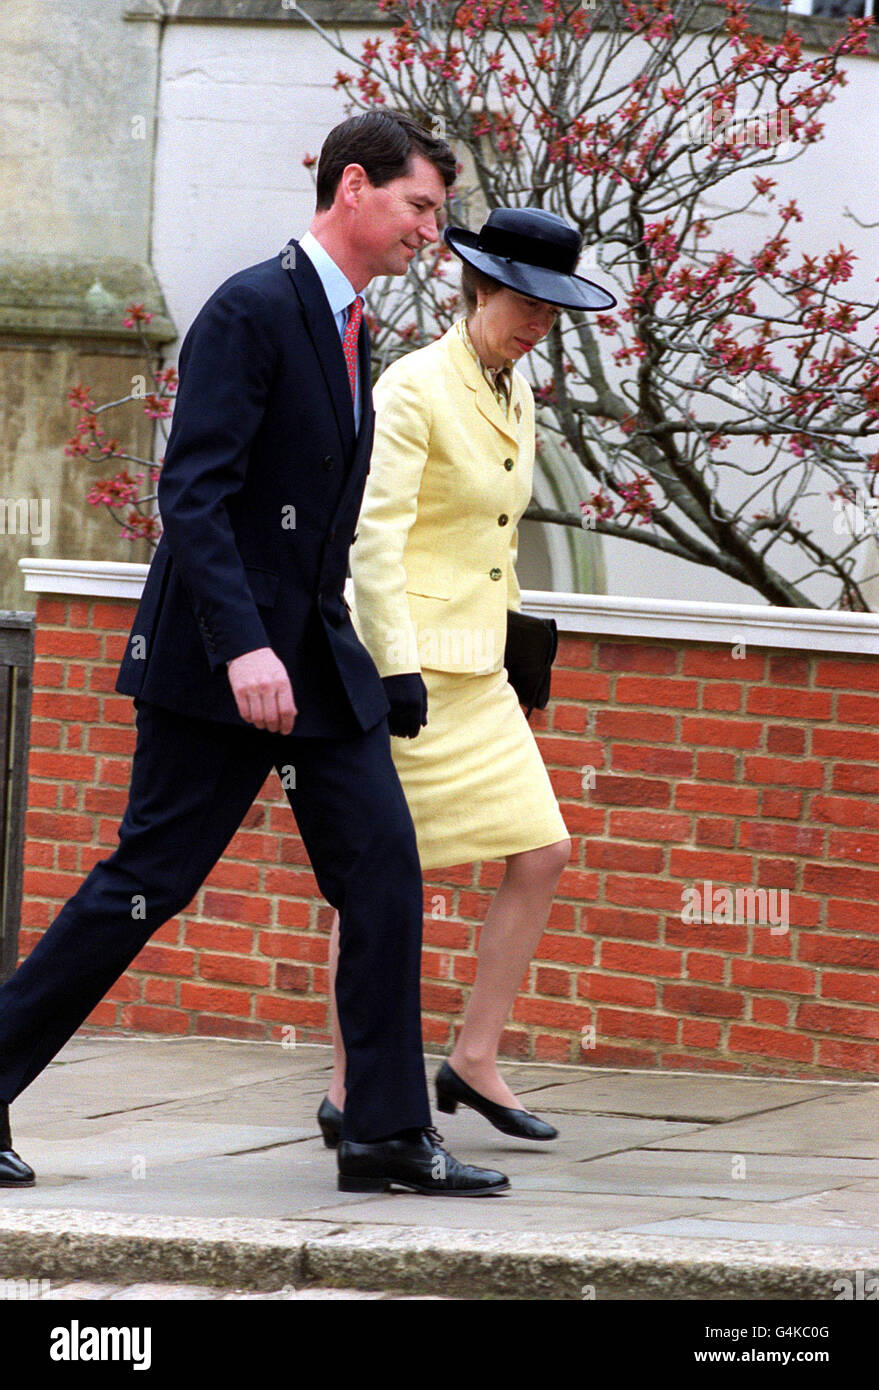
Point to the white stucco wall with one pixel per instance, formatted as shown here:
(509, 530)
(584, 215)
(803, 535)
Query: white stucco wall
(239, 107)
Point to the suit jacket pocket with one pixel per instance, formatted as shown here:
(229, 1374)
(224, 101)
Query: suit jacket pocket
(263, 585)
(430, 580)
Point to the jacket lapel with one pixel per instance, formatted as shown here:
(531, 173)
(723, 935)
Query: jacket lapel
(486, 403)
(328, 345)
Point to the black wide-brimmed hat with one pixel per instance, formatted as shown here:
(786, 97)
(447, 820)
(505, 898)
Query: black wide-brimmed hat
(532, 251)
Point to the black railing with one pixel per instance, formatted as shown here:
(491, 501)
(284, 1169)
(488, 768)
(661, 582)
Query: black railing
(16, 681)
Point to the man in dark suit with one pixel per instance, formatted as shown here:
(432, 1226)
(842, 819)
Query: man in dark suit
(242, 657)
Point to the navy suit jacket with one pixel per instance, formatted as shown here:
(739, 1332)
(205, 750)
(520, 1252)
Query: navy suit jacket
(259, 496)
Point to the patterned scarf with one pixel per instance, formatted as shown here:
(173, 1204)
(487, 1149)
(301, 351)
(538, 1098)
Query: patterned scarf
(500, 379)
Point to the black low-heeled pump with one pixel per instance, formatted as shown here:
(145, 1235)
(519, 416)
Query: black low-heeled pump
(329, 1117)
(452, 1091)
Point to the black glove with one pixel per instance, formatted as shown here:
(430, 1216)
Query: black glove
(407, 696)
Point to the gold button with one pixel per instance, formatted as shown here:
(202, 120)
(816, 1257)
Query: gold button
(495, 573)
(502, 519)
(508, 464)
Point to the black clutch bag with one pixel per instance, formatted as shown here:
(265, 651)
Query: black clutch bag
(528, 656)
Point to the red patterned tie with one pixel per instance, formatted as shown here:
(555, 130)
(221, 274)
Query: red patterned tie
(349, 342)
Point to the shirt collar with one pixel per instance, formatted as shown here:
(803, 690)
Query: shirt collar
(337, 287)
(500, 379)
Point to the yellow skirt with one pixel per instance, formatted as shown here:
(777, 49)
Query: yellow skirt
(474, 779)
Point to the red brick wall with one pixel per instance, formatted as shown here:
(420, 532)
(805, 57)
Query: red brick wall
(754, 769)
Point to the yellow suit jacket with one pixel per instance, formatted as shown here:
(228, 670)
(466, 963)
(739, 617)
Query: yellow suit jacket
(433, 561)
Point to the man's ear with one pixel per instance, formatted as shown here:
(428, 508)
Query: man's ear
(352, 185)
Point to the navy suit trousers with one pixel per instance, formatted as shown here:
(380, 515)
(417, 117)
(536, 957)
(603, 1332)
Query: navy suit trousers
(192, 782)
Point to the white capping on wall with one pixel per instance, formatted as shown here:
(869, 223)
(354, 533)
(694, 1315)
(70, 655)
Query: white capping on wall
(806, 629)
(91, 578)
(598, 615)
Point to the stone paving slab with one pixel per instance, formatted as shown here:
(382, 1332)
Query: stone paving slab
(277, 1184)
(766, 1177)
(840, 1124)
(157, 1071)
(847, 1215)
(537, 1212)
(147, 1144)
(658, 1095)
(295, 1099)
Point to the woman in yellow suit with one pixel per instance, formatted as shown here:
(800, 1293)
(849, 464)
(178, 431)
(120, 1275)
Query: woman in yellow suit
(433, 569)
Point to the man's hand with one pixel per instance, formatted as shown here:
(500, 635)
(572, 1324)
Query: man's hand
(407, 696)
(262, 690)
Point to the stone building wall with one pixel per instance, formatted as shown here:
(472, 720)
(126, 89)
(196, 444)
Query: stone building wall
(77, 143)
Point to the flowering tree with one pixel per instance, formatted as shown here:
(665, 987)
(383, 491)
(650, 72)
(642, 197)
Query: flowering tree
(738, 386)
(130, 500)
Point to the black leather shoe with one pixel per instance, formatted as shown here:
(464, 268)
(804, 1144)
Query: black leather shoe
(418, 1164)
(14, 1172)
(329, 1117)
(452, 1091)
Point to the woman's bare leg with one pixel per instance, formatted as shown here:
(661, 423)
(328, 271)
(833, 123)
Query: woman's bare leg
(510, 934)
(512, 930)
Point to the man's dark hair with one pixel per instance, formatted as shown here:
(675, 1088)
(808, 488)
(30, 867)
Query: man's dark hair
(383, 142)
